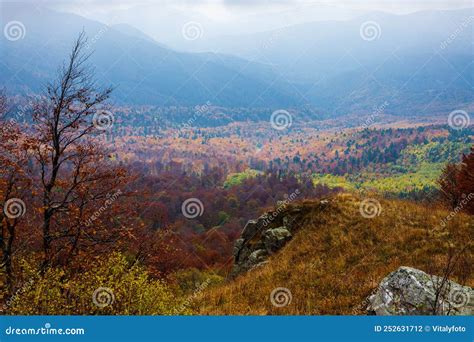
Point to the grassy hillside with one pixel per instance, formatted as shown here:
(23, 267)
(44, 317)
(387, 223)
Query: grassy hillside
(338, 257)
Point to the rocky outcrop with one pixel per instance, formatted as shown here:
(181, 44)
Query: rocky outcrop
(276, 238)
(409, 291)
(266, 235)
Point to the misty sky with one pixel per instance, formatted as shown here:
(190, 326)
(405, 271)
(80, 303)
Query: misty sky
(221, 9)
(163, 19)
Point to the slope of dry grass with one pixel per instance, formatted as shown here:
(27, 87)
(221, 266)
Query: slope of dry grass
(338, 257)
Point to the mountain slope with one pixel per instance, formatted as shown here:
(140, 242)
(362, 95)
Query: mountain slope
(337, 258)
(133, 32)
(142, 71)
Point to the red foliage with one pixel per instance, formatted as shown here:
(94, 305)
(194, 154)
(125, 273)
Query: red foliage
(457, 184)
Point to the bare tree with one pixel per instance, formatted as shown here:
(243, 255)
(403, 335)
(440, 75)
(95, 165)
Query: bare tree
(75, 171)
(441, 304)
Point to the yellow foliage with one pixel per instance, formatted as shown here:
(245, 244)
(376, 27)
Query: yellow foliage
(110, 286)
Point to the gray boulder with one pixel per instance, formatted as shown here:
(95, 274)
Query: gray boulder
(249, 259)
(276, 238)
(409, 291)
(250, 229)
(257, 257)
(239, 243)
(266, 235)
(258, 240)
(254, 227)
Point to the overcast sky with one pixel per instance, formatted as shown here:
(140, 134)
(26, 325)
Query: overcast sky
(215, 8)
(163, 19)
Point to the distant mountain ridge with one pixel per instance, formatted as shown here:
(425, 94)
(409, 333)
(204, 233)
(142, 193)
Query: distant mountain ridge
(143, 71)
(421, 64)
(133, 32)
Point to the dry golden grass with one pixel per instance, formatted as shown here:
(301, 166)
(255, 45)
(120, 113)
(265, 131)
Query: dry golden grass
(338, 257)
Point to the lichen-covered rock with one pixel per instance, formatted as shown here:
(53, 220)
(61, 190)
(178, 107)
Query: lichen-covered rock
(276, 238)
(259, 238)
(409, 291)
(258, 256)
(250, 229)
(249, 260)
(266, 235)
(239, 243)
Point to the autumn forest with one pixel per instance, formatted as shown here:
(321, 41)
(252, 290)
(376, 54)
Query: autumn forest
(115, 207)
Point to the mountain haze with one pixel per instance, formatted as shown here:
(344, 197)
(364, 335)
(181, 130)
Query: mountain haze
(143, 71)
(421, 61)
(420, 64)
